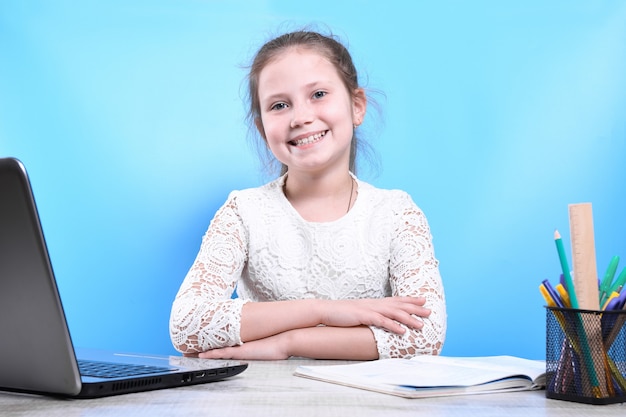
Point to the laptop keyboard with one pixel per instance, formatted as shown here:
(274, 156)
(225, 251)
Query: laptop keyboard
(98, 369)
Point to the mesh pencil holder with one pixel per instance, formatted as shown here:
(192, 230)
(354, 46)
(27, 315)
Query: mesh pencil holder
(586, 355)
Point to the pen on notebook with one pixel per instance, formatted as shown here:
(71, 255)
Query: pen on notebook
(569, 284)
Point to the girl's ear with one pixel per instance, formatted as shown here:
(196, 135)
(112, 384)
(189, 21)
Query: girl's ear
(359, 106)
(259, 126)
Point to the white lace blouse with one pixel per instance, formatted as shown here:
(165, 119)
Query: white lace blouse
(259, 246)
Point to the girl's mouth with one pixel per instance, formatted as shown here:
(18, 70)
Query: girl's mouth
(309, 139)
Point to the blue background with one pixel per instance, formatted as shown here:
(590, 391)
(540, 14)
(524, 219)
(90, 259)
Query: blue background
(495, 116)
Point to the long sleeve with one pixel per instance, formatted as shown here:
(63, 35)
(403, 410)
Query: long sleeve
(414, 271)
(204, 316)
(260, 245)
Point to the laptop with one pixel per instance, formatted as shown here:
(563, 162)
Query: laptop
(36, 350)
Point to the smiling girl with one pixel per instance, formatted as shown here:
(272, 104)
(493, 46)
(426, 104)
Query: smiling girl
(325, 265)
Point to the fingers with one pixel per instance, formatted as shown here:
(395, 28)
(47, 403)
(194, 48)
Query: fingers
(390, 325)
(269, 348)
(406, 309)
(403, 311)
(222, 353)
(399, 323)
(391, 313)
(420, 301)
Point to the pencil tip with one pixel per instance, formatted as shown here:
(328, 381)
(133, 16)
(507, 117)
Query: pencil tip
(557, 235)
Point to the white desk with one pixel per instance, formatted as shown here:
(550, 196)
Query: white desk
(270, 389)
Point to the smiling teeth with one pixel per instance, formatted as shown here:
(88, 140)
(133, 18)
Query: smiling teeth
(310, 139)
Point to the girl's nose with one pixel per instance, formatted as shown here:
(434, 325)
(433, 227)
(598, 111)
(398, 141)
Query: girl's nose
(301, 115)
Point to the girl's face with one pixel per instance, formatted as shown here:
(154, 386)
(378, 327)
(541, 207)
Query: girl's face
(307, 114)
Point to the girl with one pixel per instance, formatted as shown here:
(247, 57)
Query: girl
(325, 266)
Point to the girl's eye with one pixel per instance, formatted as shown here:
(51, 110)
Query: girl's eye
(278, 106)
(319, 94)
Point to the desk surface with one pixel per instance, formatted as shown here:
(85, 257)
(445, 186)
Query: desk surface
(270, 389)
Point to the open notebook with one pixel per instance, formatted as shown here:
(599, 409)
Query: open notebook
(434, 376)
(36, 351)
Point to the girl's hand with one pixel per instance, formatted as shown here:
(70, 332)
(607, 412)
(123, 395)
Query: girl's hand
(387, 313)
(270, 348)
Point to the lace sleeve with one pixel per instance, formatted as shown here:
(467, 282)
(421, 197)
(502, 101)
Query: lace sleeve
(414, 271)
(203, 314)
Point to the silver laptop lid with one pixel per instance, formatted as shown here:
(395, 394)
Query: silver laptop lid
(36, 351)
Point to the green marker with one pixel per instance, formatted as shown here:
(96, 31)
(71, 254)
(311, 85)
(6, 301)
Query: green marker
(619, 282)
(607, 281)
(565, 267)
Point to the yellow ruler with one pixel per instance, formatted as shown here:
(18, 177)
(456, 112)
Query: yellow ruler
(584, 256)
